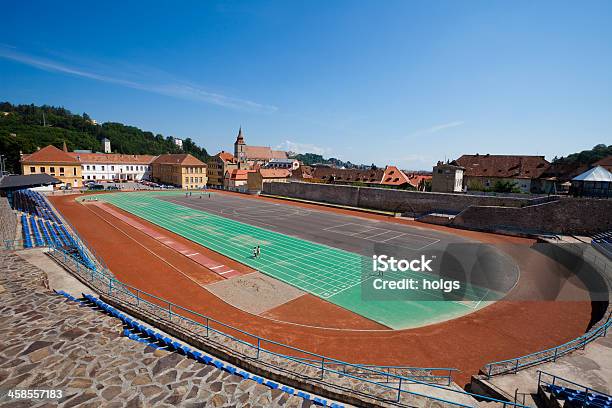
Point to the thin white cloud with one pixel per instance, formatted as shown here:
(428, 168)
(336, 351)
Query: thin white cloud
(298, 147)
(443, 126)
(168, 87)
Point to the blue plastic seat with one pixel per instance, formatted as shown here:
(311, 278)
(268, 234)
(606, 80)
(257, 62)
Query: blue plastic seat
(302, 394)
(288, 390)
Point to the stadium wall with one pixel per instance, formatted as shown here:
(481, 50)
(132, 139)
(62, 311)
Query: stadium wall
(552, 214)
(578, 216)
(410, 202)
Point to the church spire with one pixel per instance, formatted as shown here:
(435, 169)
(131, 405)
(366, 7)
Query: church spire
(64, 147)
(240, 138)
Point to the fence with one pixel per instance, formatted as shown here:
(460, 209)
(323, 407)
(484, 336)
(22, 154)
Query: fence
(340, 375)
(513, 365)
(547, 379)
(13, 244)
(81, 242)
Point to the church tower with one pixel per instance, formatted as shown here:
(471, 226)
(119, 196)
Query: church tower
(240, 148)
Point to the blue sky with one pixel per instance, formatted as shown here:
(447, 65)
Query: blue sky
(393, 82)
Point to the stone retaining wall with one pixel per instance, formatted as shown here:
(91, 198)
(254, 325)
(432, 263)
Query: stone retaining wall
(576, 216)
(410, 202)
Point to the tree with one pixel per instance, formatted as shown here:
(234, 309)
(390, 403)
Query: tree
(505, 186)
(77, 131)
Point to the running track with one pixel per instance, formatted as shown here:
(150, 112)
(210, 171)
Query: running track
(503, 330)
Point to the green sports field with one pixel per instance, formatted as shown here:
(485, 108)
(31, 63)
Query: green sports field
(332, 274)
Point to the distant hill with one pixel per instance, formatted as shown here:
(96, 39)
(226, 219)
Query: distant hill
(309, 159)
(587, 157)
(27, 127)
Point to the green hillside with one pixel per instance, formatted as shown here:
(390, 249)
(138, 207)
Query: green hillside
(26, 127)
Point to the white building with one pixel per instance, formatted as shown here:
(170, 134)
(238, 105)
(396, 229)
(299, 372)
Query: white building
(178, 142)
(107, 146)
(289, 164)
(114, 167)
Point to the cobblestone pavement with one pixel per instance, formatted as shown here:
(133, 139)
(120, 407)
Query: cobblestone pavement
(49, 342)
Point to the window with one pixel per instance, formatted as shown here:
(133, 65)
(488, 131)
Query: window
(42, 169)
(88, 167)
(102, 168)
(94, 176)
(112, 168)
(52, 169)
(74, 171)
(32, 169)
(88, 177)
(61, 171)
(186, 179)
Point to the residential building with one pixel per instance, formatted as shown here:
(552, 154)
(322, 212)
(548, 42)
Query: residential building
(483, 171)
(54, 162)
(256, 179)
(114, 167)
(181, 170)
(447, 178)
(596, 182)
(302, 173)
(218, 166)
(389, 176)
(236, 179)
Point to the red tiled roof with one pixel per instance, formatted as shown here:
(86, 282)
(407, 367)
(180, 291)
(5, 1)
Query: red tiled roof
(112, 158)
(258, 152)
(183, 159)
(279, 154)
(274, 173)
(236, 174)
(49, 154)
(302, 172)
(226, 157)
(393, 176)
(348, 175)
(606, 163)
(415, 180)
(489, 165)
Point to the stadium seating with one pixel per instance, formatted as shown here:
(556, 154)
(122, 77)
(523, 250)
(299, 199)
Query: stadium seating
(42, 227)
(603, 243)
(579, 398)
(138, 332)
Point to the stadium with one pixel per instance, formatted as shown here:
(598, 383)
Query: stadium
(179, 270)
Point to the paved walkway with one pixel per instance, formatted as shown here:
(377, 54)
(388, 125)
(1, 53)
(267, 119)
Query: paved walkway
(48, 342)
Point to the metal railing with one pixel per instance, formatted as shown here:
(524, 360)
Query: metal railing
(549, 379)
(513, 365)
(81, 242)
(335, 373)
(14, 244)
